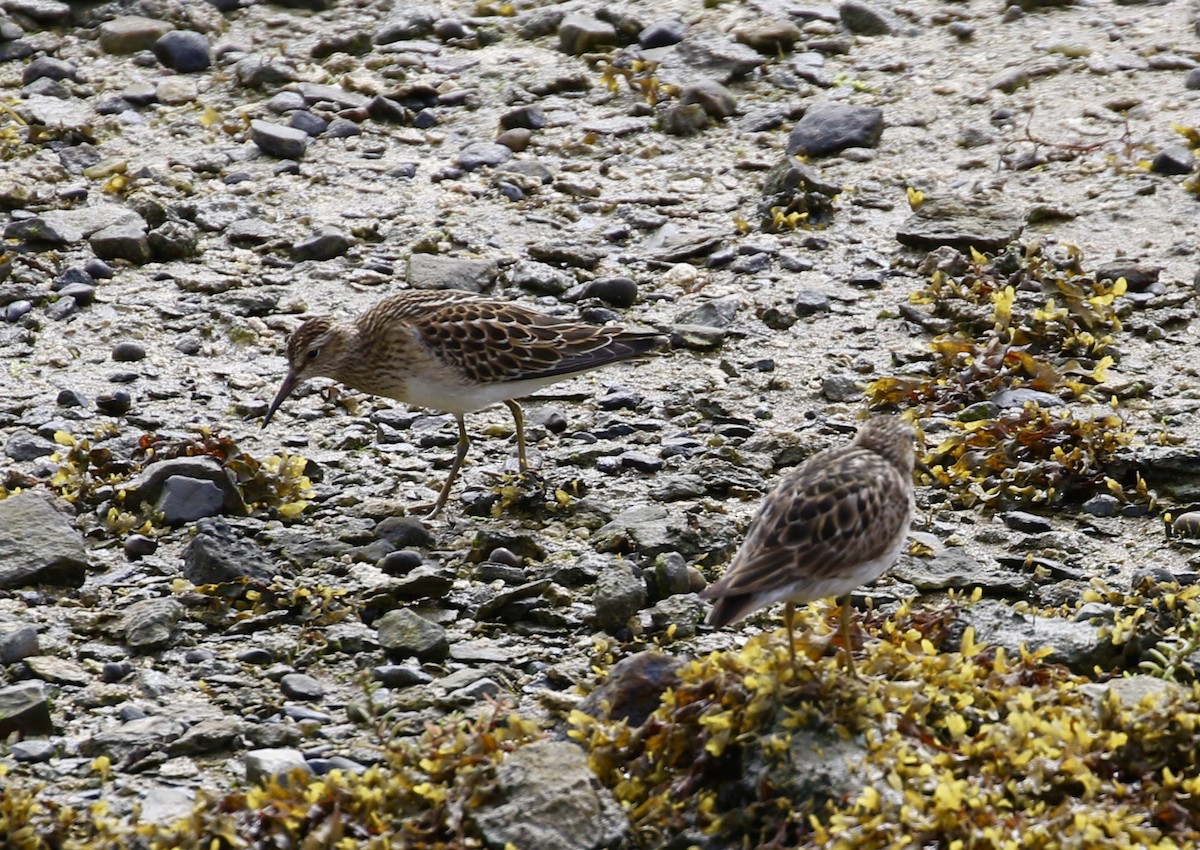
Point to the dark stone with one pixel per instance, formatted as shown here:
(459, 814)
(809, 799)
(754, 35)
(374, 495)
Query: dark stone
(185, 51)
(827, 128)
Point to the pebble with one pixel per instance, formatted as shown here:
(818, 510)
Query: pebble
(131, 33)
(83, 294)
(479, 154)
(71, 398)
(139, 546)
(265, 764)
(47, 67)
(23, 445)
(302, 687)
(128, 352)
(828, 127)
(184, 499)
(277, 140)
(809, 302)
(327, 243)
(403, 634)
(185, 51)
(116, 403)
(400, 562)
(662, 33)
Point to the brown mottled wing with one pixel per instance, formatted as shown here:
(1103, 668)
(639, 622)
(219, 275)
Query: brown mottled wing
(823, 519)
(500, 341)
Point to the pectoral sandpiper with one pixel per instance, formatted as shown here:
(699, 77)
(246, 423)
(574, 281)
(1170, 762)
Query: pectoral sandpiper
(456, 352)
(834, 523)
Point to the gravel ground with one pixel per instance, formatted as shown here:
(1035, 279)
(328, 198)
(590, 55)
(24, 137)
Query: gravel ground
(204, 176)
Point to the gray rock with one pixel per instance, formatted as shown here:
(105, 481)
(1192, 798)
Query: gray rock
(510, 599)
(128, 352)
(682, 612)
(217, 554)
(25, 709)
(707, 54)
(250, 231)
(718, 313)
(257, 72)
(697, 337)
(865, 19)
(185, 51)
(769, 36)
(400, 676)
(620, 594)
(1078, 645)
(122, 242)
(955, 568)
(325, 244)
(33, 751)
(819, 766)
(1173, 159)
(662, 33)
(165, 804)
(840, 388)
(49, 68)
(949, 221)
(57, 671)
(273, 763)
(633, 688)
(218, 734)
(479, 154)
(17, 641)
(827, 128)
(540, 277)
(716, 100)
(403, 633)
(62, 308)
(25, 445)
(547, 798)
(37, 543)
(423, 582)
(174, 239)
(1131, 690)
(342, 128)
(43, 11)
(277, 140)
(302, 687)
(63, 227)
(580, 33)
(671, 575)
(1019, 397)
(433, 271)
(650, 530)
(1027, 522)
(149, 484)
(149, 624)
(314, 93)
(810, 302)
(131, 33)
(133, 739)
(407, 22)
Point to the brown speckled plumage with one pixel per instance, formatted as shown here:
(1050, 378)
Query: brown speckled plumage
(454, 351)
(834, 523)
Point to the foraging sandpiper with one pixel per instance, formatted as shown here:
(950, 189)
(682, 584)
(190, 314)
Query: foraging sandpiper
(454, 351)
(834, 523)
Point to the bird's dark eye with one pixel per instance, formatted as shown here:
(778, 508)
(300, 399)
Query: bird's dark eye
(313, 353)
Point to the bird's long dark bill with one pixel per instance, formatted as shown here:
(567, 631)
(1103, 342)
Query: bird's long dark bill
(289, 384)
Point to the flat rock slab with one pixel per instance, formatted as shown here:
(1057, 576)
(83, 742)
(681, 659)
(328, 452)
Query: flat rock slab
(962, 226)
(37, 543)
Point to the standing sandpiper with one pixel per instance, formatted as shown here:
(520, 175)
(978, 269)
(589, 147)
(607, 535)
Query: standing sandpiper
(834, 523)
(453, 351)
